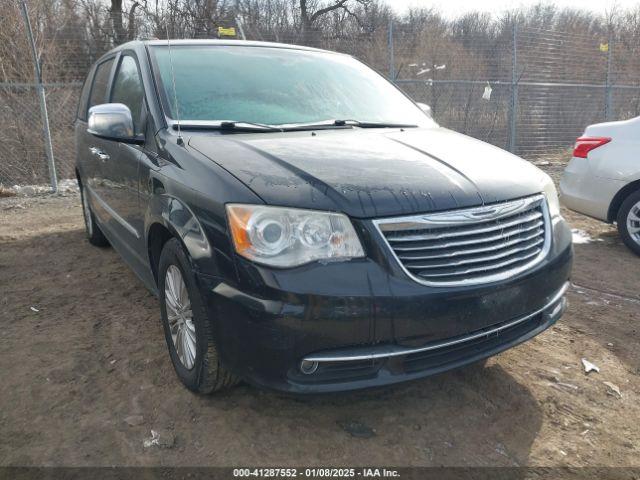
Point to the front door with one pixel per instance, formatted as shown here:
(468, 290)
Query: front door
(121, 164)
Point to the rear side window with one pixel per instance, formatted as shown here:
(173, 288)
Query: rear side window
(100, 82)
(127, 89)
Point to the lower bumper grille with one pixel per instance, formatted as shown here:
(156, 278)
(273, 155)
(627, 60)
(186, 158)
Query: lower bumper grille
(471, 246)
(354, 364)
(429, 360)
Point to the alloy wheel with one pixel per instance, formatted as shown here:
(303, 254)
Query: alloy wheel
(180, 316)
(633, 223)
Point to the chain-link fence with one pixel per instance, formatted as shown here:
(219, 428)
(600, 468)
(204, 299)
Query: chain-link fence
(533, 93)
(528, 90)
(23, 148)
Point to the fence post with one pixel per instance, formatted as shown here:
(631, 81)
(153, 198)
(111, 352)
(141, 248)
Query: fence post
(392, 60)
(513, 108)
(43, 101)
(240, 28)
(608, 106)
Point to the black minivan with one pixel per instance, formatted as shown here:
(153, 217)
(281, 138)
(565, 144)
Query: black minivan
(306, 226)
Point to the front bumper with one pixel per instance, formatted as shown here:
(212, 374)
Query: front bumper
(392, 363)
(367, 324)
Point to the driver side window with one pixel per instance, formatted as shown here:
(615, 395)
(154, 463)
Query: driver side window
(128, 89)
(100, 83)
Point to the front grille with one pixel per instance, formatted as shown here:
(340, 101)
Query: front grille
(471, 246)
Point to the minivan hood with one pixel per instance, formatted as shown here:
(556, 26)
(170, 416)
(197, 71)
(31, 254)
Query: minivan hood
(371, 173)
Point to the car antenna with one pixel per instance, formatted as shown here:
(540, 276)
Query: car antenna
(180, 141)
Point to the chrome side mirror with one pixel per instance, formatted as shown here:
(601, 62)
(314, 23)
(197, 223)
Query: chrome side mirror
(425, 108)
(112, 121)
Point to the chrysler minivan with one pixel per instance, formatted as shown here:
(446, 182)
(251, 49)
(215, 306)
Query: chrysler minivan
(305, 225)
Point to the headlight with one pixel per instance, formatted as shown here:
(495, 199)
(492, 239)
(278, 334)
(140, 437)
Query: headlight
(552, 197)
(287, 237)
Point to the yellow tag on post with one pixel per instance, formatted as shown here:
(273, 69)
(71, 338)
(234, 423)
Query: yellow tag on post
(604, 47)
(226, 32)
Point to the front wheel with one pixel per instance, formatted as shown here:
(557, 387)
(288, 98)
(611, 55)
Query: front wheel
(629, 222)
(187, 328)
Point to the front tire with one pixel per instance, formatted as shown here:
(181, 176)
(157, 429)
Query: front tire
(629, 222)
(187, 328)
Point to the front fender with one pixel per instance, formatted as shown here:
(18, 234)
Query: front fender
(183, 223)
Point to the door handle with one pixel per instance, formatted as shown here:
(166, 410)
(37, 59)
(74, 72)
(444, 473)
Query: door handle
(99, 153)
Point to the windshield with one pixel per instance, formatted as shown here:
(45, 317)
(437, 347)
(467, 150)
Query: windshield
(276, 86)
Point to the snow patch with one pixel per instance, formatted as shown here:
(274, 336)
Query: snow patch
(581, 237)
(68, 185)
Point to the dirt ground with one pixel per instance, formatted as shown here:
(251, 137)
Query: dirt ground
(85, 376)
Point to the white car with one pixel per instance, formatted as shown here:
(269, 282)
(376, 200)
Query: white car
(603, 178)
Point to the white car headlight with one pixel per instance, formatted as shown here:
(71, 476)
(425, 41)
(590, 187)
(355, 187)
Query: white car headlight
(552, 197)
(288, 237)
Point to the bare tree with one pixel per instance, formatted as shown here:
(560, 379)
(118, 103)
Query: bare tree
(311, 11)
(117, 14)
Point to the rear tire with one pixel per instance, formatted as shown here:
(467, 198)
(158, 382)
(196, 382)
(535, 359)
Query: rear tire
(94, 234)
(189, 333)
(628, 220)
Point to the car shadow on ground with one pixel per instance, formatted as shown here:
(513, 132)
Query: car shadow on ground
(479, 415)
(95, 354)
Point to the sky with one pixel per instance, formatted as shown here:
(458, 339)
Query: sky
(454, 8)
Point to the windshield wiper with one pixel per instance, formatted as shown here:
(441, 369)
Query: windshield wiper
(345, 123)
(228, 125)
(241, 126)
(357, 123)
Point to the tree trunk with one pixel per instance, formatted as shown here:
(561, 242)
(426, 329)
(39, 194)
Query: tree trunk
(119, 35)
(306, 25)
(131, 27)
